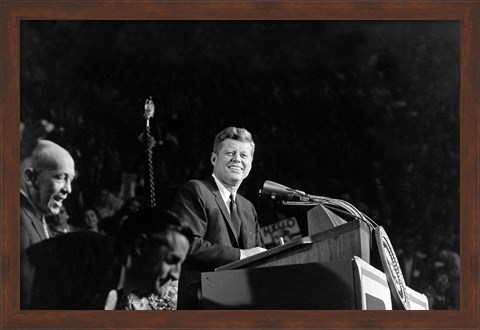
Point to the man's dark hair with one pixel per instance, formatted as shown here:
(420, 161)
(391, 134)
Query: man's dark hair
(73, 271)
(233, 133)
(150, 221)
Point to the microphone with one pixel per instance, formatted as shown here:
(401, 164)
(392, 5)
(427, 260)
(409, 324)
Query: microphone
(277, 191)
(289, 196)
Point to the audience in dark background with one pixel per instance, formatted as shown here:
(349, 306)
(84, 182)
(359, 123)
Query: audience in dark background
(90, 220)
(111, 225)
(349, 110)
(59, 224)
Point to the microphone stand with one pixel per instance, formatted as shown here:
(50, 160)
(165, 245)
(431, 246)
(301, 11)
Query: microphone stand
(336, 205)
(149, 174)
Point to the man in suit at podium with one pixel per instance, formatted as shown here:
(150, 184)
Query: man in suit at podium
(224, 222)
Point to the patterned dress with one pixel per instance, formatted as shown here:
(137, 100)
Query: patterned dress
(138, 300)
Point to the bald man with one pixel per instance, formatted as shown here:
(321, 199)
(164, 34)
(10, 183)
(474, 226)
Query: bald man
(45, 182)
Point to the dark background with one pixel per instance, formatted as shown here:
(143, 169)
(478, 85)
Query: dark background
(365, 111)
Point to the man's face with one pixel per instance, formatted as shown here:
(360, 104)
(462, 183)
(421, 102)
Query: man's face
(163, 262)
(233, 162)
(51, 185)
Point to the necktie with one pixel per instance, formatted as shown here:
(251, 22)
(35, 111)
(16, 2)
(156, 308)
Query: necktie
(234, 215)
(45, 227)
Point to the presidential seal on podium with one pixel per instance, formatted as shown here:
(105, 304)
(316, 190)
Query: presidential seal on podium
(392, 270)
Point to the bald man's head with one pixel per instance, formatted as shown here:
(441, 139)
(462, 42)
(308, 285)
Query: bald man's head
(48, 174)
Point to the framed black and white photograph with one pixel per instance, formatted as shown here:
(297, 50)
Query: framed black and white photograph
(361, 185)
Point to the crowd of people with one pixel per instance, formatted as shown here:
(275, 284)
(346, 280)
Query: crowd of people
(136, 260)
(104, 242)
(349, 117)
(149, 245)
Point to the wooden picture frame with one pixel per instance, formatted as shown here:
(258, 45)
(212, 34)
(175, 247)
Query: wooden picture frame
(466, 12)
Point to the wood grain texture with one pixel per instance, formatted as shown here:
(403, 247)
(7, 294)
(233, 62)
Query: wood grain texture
(12, 12)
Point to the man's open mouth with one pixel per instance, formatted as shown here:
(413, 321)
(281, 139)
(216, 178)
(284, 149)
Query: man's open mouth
(58, 200)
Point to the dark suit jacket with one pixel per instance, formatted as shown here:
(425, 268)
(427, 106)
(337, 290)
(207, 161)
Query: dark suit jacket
(200, 205)
(72, 271)
(31, 228)
(31, 232)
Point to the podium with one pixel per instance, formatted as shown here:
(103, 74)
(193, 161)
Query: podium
(328, 269)
(333, 285)
(336, 244)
